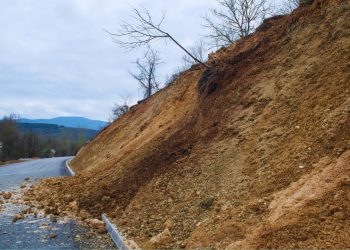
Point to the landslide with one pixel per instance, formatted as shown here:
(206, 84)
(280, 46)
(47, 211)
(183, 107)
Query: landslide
(253, 152)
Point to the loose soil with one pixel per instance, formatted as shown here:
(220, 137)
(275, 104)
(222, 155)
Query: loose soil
(253, 152)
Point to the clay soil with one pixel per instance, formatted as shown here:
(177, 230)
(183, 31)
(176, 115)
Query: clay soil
(253, 152)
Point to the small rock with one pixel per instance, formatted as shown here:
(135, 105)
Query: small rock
(160, 239)
(17, 218)
(130, 244)
(23, 186)
(69, 197)
(301, 167)
(98, 225)
(333, 208)
(48, 210)
(53, 219)
(55, 211)
(27, 211)
(53, 236)
(340, 215)
(106, 198)
(168, 224)
(7, 196)
(27, 179)
(83, 214)
(74, 205)
(345, 182)
(101, 230)
(207, 203)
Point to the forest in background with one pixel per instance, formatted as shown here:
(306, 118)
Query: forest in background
(22, 140)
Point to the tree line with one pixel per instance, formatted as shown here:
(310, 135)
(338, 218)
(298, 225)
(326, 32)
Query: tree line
(15, 144)
(232, 20)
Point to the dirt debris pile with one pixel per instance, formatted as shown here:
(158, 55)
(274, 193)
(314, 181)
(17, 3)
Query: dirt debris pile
(253, 152)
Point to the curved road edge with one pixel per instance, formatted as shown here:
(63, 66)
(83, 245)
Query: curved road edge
(69, 171)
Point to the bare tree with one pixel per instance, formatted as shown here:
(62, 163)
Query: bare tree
(144, 31)
(235, 19)
(121, 108)
(147, 72)
(198, 50)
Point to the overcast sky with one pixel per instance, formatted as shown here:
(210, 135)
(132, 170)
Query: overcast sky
(56, 60)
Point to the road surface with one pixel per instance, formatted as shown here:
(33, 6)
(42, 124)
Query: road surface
(34, 233)
(14, 174)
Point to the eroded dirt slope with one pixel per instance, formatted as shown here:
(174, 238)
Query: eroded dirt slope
(252, 152)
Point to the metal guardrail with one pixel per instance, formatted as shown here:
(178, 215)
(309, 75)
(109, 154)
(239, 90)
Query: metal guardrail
(114, 233)
(111, 228)
(69, 171)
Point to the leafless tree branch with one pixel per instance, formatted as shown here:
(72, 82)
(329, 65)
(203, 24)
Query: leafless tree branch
(143, 32)
(146, 74)
(198, 50)
(120, 108)
(236, 19)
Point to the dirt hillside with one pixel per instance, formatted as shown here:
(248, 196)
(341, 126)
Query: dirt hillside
(252, 152)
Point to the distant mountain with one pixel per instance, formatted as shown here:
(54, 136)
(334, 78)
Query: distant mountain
(52, 130)
(73, 122)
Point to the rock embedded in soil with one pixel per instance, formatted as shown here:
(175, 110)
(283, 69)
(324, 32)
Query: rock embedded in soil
(168, 223)
(159, 240)
(53, 236)
(340, 215)
(7, 196)
(83, 214)
(53, 219)
(207, 203)
(74, 205)
(130, 244)
(48, 210)
(69, 198)
(55, 211)
(17, 218)
(98, 225)
(106, 198)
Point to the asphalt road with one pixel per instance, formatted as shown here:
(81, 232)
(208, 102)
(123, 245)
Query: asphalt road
(15, 173)
(34, 233)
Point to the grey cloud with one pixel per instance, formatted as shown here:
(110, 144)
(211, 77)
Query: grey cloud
(57, 60)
